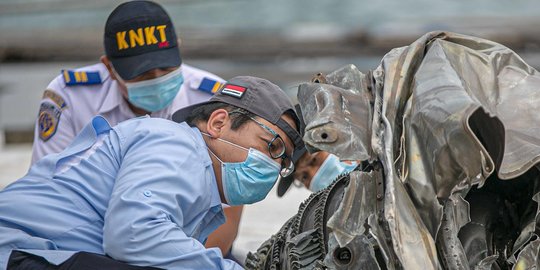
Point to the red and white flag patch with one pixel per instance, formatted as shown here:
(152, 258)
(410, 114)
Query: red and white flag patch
(233, 90)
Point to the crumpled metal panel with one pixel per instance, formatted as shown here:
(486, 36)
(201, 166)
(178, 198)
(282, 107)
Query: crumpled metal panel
(450, 249)
(528, 258)
(529, 230)
(411, 240)
(361, 205)
(359, 202)
(487, 263)
(460, 74)
(440, 149)
(424, 112)
(338, 116)
(460, 80)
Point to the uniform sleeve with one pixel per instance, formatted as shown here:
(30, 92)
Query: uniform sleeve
(158, 185)
(54, 128)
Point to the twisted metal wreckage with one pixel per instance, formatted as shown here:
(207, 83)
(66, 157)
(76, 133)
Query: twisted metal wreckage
(450, 128)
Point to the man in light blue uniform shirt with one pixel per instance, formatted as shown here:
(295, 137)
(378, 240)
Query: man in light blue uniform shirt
(148, 192)
(142, 73)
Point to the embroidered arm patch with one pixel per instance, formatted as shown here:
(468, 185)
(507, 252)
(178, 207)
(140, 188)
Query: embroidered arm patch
(49, 116)
(50, 94)
(209, 85)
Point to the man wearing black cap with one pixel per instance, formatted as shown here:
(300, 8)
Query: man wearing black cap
(148, 192)
(141, 73)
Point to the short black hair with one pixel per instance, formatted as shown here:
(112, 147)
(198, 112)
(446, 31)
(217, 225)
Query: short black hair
(203, 112)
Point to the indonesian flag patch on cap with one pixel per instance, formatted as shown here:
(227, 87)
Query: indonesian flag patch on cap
(233, 90)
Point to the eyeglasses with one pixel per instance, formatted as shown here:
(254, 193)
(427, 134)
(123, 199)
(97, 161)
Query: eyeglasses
(276, 148)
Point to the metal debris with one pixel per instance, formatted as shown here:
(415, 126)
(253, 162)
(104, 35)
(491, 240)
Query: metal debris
(450, 130)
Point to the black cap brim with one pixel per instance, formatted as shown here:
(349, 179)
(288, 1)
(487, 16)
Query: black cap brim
(284, 184)
(132, 66)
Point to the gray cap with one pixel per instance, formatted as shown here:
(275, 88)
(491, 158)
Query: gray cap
(258, 96)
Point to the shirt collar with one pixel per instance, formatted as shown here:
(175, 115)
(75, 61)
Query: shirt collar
(113, 98)
(215, 199)
(87, 136)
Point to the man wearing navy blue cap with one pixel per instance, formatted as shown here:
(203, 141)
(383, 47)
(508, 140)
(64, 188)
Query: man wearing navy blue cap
(141, 73)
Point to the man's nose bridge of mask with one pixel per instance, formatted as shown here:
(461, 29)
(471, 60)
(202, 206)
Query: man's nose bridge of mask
(276, 147)
(153, 74)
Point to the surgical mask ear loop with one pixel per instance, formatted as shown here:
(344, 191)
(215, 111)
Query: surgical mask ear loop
(210, 150)
(118, 78)
(225, 141)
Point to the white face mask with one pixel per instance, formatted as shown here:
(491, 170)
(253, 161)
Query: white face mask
(249, 181)
(155, 94)
(329, 170)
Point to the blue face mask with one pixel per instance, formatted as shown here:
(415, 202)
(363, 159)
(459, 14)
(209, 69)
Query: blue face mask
(329, 171)
(249, 181)
(155, 94)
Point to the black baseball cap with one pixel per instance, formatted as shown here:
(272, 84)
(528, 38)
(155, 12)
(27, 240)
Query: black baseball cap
(139, 36)
(260, 97)
(284, 184)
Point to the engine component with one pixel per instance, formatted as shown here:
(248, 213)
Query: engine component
(450, 128)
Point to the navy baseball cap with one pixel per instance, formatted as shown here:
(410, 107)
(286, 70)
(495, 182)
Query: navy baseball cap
(260, 97)
(139, 36)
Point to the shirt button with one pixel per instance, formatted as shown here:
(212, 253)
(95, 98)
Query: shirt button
(147, 193)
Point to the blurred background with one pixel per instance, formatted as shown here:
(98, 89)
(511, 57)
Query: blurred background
(284, 41)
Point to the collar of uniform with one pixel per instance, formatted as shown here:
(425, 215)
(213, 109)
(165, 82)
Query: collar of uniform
(205, 156)
(87, 137)
(113, 99)
(215, 199)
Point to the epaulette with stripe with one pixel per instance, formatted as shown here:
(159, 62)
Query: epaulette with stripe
(210, 86)
(72, 77)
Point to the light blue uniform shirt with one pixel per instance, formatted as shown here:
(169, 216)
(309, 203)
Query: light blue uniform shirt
(142, 192)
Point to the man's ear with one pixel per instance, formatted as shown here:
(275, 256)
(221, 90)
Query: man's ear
(216, 122)
(105, 60)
